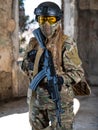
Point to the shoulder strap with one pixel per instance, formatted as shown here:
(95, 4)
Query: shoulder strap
(65, 37)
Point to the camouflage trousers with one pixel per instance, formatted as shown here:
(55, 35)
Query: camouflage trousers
(42, 114)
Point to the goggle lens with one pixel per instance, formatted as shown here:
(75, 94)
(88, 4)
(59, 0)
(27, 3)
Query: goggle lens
(50, 19)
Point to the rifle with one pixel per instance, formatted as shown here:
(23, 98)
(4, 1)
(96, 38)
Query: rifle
(48, 71)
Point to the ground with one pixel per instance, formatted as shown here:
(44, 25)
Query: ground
(87, 117)
(14, 114)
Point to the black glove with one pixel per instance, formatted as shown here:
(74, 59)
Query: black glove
(31, 58)
(31, 55)
(30, 66)
(60, 82)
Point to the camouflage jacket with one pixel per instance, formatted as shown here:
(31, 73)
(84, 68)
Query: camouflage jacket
(72, 71)
(71, 63)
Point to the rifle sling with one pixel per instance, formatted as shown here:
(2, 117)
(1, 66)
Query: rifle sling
(37, 59)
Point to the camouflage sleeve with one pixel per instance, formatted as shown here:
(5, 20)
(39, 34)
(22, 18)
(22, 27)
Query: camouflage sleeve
(27, 64)
(72, 64)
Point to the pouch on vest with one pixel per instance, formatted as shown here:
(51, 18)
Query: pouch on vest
(82, 88)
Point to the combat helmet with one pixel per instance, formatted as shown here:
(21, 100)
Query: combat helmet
(48, 9)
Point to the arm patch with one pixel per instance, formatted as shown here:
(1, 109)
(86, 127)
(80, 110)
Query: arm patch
(73, 55)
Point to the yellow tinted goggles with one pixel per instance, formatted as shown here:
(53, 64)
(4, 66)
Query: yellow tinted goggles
(50, 19)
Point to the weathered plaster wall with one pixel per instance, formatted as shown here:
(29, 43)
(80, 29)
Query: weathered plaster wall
(5, 50)
(13, 82)
(81, 23)
(88, 38)
(70, 18)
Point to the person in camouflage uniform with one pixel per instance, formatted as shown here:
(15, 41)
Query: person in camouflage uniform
(67, 64)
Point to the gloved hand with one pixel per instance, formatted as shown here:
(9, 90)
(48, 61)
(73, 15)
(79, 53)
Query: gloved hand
(60, 82)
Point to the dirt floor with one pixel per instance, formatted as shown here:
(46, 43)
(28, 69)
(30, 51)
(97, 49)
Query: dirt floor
(14, 113)
(14, 106)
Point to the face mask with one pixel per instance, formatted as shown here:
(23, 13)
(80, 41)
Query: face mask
(48, 25)
(48, 29)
